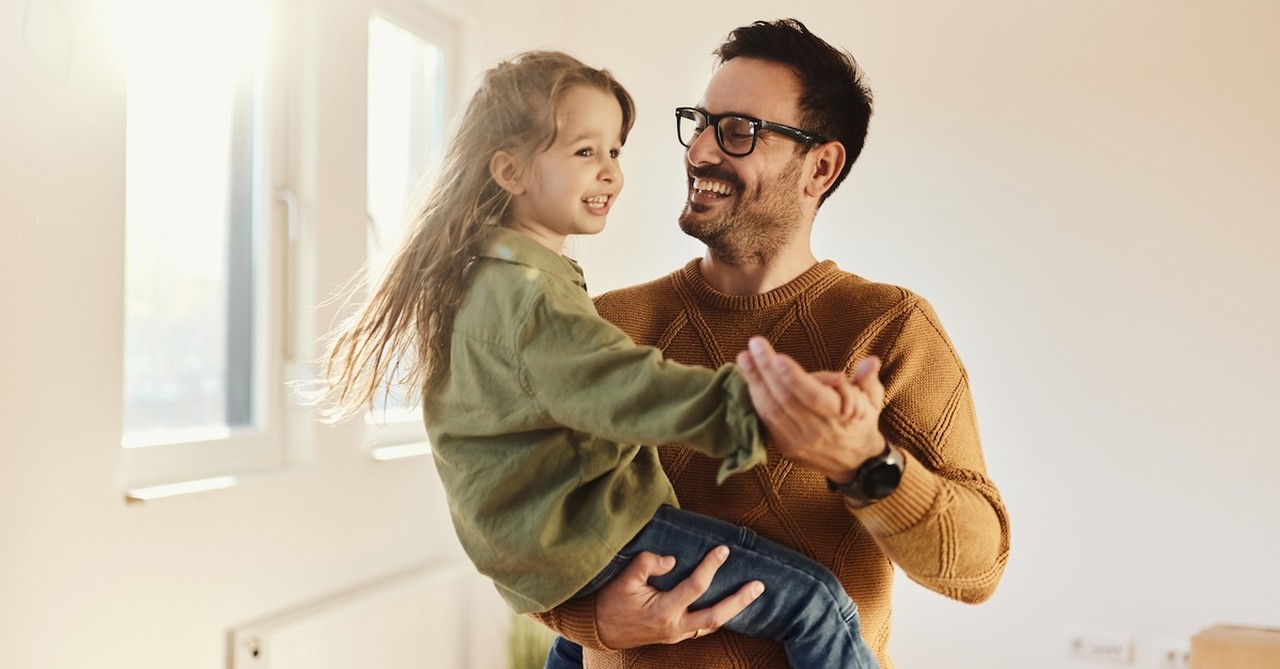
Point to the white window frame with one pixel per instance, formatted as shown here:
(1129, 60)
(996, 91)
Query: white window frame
(288, 263)
(190, 460)
(395, 435)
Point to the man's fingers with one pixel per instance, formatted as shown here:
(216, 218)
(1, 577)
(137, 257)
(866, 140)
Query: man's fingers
(766, 376)
(693, 587)
(777, 420)
(774, 369)
(793, 386)
(789, 400)
(829, 378)
(747, 365)
(707, 621)
(849, 395)
(866, 374)
(632, 613)
(865, 367)
(647, 564)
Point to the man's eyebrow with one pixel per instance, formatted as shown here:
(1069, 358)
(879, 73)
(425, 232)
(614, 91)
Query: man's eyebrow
(731, 112)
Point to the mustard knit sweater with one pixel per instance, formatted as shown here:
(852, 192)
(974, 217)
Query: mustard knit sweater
(945, 527)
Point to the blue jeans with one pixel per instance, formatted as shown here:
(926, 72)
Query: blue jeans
(803, 607)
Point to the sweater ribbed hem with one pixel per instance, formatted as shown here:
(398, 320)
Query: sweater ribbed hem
(577, 622)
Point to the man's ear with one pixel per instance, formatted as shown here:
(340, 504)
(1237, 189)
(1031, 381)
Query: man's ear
(828, 160)
(505, 171)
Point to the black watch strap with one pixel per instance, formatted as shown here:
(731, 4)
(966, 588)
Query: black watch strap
(875, 480)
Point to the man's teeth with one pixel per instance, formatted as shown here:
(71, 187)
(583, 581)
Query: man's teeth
(710, 186)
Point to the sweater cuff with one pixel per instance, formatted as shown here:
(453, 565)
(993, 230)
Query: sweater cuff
(577, 618)
(907, 506)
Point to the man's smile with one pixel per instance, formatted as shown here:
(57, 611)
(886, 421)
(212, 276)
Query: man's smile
(712, 186)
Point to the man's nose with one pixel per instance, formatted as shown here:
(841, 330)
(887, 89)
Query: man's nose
(704, 150)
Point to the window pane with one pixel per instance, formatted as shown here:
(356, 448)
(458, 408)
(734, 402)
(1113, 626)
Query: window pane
(405, 133)
(192, 216)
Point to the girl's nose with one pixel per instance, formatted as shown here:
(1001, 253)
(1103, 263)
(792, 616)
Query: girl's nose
(611, 171)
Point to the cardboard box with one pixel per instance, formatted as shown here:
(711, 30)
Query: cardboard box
(1236, 647)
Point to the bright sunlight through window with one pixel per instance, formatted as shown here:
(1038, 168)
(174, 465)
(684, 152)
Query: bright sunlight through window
(405, 133)
(193, 211)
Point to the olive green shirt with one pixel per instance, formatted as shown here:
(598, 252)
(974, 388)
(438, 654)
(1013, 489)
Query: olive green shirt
(544, 428)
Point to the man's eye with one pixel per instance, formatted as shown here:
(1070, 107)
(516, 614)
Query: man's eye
(737, 128)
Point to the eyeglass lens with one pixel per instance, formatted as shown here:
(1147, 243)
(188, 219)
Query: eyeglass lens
(736, 135)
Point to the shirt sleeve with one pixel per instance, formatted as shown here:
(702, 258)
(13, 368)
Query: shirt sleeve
(946, 525)
(589, 376)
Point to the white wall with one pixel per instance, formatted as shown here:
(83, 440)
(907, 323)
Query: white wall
(1089, 193)
(1086, 192)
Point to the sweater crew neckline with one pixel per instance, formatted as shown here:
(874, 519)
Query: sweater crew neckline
(692, 277)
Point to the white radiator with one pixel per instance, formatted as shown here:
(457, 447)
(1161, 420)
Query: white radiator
(413, 620)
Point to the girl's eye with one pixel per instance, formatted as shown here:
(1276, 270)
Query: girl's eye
(585, 153)
(614, 153)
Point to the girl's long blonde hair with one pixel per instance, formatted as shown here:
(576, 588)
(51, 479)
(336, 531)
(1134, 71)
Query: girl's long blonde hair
(400, 337)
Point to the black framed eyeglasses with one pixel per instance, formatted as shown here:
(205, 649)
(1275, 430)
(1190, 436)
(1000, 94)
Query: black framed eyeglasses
(736, 134)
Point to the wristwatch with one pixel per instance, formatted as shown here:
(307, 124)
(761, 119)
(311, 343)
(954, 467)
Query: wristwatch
(875, 480)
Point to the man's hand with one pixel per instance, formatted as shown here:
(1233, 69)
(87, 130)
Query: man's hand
(631, 613)
(822, 421)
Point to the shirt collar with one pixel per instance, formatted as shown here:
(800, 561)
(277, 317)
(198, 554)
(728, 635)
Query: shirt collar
(505, 244)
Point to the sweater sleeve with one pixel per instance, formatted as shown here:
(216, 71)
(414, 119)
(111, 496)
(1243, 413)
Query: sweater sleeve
(946, 525)
(574, 620)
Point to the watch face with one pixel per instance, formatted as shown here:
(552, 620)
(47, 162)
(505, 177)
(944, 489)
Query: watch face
(881, 480)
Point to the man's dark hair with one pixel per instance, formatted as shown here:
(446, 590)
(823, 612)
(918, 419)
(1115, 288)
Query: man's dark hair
(834, 100)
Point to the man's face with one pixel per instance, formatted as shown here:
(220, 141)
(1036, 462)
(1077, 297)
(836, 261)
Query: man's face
(748, 207)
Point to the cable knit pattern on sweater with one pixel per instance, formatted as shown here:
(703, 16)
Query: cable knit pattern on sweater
(945, 526)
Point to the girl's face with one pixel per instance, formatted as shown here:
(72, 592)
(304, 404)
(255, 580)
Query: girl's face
(569, 188)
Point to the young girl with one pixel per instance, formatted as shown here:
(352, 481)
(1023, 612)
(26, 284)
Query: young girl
(538, 409)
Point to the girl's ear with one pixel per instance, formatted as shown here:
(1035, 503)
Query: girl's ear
(506, 172)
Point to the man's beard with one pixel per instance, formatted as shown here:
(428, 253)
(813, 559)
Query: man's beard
(758, 225)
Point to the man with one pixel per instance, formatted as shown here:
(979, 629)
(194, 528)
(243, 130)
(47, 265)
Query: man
(782, 120)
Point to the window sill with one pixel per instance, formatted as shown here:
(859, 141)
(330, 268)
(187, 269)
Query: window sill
(384, 453)
(155, 492)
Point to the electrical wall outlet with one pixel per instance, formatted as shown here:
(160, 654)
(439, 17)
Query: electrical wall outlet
(1171, 654)
(1099, 646)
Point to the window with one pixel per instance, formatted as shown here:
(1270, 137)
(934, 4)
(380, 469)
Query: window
(202, 389)
(220, 267)
(409, 52)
